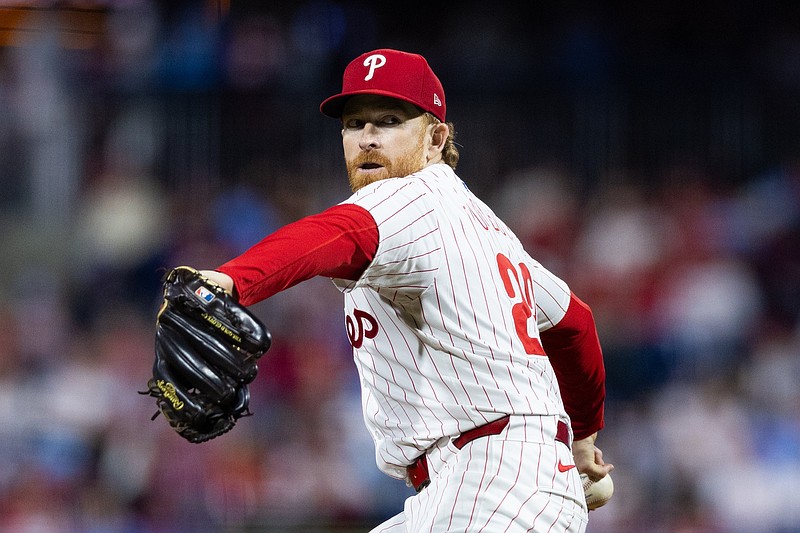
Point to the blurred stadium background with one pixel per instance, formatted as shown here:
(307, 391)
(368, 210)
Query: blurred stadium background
(645, 151)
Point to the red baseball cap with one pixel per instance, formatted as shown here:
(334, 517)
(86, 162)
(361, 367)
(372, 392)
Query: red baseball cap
(390, 73)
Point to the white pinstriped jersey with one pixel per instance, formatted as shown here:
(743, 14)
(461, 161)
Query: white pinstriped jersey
(445, 321)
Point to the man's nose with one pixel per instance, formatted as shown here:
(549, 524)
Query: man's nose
(370, 138)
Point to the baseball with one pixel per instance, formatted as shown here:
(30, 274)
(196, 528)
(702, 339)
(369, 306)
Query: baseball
(597, 492)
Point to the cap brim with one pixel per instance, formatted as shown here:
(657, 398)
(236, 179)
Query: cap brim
(334, 105)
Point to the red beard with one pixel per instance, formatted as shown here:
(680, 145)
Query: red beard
(407, 164)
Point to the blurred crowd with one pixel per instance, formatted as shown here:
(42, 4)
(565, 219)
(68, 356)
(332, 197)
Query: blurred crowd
(646, 157)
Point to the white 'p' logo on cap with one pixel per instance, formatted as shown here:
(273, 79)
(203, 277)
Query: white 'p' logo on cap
(374, 62)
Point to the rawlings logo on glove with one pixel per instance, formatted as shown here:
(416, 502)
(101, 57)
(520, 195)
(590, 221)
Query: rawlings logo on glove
(168, 391)
(207, 347)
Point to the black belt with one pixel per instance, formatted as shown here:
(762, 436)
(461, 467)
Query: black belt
(418, 470)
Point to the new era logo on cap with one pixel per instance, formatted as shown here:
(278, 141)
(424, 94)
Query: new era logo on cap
(392, 73)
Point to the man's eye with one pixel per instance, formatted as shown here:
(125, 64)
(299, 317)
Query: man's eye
(353, 124)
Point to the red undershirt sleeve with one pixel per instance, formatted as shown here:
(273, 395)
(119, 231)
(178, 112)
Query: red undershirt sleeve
(574, 351)
(340, 242)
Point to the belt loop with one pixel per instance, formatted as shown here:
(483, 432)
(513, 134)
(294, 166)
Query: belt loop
(418, 473)
(562, 433)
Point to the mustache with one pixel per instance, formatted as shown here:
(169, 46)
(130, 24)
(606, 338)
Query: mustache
(364, 158)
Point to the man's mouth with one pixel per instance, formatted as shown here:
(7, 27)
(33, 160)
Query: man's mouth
(369, 166)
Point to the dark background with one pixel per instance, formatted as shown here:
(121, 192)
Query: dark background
(646, 152)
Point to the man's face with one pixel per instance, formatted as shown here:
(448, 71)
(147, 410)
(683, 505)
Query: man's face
(383, 138)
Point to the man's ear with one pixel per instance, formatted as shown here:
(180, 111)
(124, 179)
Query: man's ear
(439, 134)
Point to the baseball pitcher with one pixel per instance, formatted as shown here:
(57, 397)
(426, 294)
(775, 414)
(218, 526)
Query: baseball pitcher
(482, 375)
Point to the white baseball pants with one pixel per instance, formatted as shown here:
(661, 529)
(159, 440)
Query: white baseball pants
(510, 482)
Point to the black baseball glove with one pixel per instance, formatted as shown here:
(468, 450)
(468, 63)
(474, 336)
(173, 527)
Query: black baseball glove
(207, 349)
